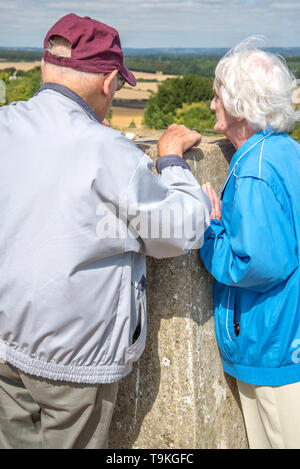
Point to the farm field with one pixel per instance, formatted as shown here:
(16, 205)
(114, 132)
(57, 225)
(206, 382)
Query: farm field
(159, 76)
(25, 66)
(123, 117)
(142, 90)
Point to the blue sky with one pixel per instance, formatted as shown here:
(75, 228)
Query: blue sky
(159, 23)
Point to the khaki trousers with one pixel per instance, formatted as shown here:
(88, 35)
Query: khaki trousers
(272, 415)
(36, 413)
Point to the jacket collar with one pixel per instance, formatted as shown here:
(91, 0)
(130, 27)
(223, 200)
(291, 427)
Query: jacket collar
(244, 149)
(250, 143)
(71, 95)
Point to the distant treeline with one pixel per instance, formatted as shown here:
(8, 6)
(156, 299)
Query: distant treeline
(188, 64)
(174, 64)
(168, 63)
(205, 51)
(20, 55)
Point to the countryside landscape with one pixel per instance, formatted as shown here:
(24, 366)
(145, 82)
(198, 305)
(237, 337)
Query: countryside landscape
(173, 85)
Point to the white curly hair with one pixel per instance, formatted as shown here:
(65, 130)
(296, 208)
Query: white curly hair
(258, 87)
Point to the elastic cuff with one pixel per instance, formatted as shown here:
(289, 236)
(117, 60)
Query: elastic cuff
(213, 230)
(171, 160)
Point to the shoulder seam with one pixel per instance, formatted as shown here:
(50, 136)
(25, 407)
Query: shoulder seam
(260, 157)
(273, 188)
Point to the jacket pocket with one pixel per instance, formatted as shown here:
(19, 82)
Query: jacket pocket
(224, 324)
(139, 336)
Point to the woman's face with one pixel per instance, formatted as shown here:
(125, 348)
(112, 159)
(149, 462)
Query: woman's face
(225, 124)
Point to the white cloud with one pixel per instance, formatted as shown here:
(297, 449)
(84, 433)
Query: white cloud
(286, 6)
(158, 23)
(157, 5)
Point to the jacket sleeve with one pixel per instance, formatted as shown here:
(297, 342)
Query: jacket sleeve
(167, 214)
(260, 250)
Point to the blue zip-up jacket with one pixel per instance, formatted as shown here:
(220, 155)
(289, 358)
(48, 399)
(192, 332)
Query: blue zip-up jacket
(253, 255)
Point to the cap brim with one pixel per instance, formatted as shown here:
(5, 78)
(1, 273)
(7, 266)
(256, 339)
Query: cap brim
(128, 76)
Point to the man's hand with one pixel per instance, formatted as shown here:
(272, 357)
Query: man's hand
(105, 122)
(177, 140)
(215, 201)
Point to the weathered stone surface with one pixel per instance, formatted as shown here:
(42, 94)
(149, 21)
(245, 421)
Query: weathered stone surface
(177, 395)
(2, 92)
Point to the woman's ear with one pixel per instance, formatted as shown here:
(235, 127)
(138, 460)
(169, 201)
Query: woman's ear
(108, 82)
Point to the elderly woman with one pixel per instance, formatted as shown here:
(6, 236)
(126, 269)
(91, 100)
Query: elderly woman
(252, 248)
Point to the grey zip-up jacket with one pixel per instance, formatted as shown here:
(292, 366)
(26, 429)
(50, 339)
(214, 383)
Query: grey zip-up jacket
(72, 296)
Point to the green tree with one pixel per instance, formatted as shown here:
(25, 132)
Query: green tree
(196, 116)
(109, 114)
(296, 132)
(161, 108)
(5, 77)
(9, 70)
(23, 88)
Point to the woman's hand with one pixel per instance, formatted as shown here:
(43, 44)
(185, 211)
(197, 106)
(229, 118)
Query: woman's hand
(215, 201)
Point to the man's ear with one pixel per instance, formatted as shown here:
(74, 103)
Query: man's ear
(108, 81)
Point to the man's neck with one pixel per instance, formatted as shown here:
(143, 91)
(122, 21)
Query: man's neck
(64, 90)
(89, 97)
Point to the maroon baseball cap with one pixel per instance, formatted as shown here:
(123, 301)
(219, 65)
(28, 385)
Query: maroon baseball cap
(95, 46)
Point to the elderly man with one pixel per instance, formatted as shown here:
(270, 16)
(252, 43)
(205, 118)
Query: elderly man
(252, 249)
(73, 318)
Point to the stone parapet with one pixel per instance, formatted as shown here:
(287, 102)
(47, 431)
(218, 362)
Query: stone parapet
(177, 395)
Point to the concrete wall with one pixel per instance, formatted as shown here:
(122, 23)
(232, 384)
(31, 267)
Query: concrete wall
(177, 395)
(2, 92)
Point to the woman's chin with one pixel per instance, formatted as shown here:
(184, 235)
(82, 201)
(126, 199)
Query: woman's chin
(217, 129)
